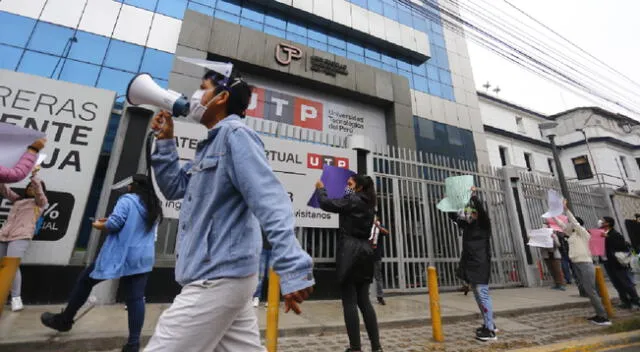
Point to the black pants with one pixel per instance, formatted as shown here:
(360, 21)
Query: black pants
(622, 282)
(356, 296)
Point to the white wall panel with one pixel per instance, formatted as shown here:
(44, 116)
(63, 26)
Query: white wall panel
(323, 8)
(408, 38)
(422, 42)
(100, 17)
(342, 12)
(437, 108)
(392, 31)
(164, 33)
(376, 25)
(423, 104)
(30, 8)
(359, 19)
(304, 5)
(63, 12)
(286, 2)
(133, 25)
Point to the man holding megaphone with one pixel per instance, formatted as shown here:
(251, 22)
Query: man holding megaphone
(229, 192)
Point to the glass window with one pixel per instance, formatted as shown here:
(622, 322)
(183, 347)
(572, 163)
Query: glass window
(317, 35)
(390, 68)
(251, 24)
(253, 15)
(296, 29)
(372, 62)
(157, 63)
(436, 27)
(376, 6)
(432, 72)
(389, 60)
(337, 51)
(89, 47)
(354, 48)
(223, 15)
(445, 76)
(50, 38)
(143, 4)
(209, 3)
(420, 23)
(79, 72)
(38, 64)
(297, 38)
(551, 166)
(200, 8)
(273, 31)
(454, 135)
(172, 8)
(337, 41)
(390, 11)
(434, 88)
(372, 54)
(582, 167)
(438, 40)
(504, 156)
(405, 18)
(115, 80)
(361, 3)
(276, 21)
(123, 56)
(420, 69)
(528, 161)
(425, 128)
(408, 75)
(420, 83)
(14, 29)
(9, 57)
(229, 6)
(318, 45)
(404, 66)
(355, 57)
(446, 92)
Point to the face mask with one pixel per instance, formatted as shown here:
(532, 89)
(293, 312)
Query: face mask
(600, 223)
(348, 191)
(198, 110)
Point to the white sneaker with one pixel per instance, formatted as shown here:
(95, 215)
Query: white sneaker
(16, 304)
(256, 302)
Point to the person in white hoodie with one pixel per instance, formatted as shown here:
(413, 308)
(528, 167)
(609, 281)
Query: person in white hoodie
(582, 260)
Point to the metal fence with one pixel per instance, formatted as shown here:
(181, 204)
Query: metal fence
(410, 184)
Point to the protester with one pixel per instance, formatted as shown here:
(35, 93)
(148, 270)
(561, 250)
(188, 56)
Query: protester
(263, 269)
(229, 191)
(128, 253)
(355, 257)
(580, 255)
(20, 226)
(475, 261)
(618, 273)
(552, 258)
(378, 250)
(24, 165)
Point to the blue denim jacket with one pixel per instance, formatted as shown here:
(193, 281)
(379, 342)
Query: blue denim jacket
(228, 191)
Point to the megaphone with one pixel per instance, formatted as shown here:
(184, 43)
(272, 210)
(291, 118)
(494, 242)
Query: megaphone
(143, 90)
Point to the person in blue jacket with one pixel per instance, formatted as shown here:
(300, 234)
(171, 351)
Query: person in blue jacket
(229, 191)
(128, 253)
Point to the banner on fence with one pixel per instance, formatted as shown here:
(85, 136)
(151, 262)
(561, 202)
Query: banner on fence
(458, 191)
(541, 238)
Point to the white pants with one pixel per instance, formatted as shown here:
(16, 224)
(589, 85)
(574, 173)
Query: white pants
(210, 316)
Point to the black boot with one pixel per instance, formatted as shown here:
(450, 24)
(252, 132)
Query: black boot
(131, 347)
(56, 322)
(381, 301)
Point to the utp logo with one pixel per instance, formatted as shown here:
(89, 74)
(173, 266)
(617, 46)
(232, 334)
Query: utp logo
(281, 107)
(317, 161)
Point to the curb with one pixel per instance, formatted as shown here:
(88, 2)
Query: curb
(63, 342)
(622, 339)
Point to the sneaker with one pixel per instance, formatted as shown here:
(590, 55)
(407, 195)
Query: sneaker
(486, 335)
(600, 321)
(495, 328)
(131, 348)
(16, 304)
(56, 322)
(381, 301)
(624, 305)
(256, 302)
(592, 318)
(559, 288)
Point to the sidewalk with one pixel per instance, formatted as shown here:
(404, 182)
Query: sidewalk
(105, 327)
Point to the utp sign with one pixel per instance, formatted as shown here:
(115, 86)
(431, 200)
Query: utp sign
(275, 106)
(317, 161)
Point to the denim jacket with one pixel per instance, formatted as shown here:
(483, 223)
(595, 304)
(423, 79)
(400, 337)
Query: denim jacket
(228, 191)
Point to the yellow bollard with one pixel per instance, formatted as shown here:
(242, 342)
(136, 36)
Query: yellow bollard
(8, 267)
(273, 308)
(604, 293)
(434, 302)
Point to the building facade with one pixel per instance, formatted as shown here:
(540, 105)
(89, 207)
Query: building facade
(390, 70)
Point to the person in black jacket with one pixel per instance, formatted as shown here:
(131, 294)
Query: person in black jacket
(618, 273)
(475, 261)
(355, 257)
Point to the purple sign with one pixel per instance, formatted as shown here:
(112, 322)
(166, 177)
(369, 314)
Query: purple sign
(335, 180)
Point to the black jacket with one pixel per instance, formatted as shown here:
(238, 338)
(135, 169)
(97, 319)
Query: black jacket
(355, 256)
(614, 242)
(475, 261)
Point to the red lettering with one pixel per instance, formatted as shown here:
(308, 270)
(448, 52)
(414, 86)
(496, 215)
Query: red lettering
(256, 104)
(308, 114)
(314, 161)
(342, 162)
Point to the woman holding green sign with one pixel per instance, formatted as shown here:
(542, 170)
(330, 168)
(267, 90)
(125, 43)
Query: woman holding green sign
(475, 261)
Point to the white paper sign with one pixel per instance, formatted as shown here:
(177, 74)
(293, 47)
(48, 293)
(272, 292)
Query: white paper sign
(541, 238)
(74, 118)
(14, 141)
(298, 165)
(554, 199)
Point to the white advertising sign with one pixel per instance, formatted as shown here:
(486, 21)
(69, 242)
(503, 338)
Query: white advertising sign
(297, 165)
(74, 119)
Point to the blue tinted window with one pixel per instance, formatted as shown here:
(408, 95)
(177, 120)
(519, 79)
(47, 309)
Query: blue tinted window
(297, 38)
(157, 63)
(434, 88)
(337, 51)
(50, 38)
(79, 72)
(9, 57)
(438, 40)
(420, 23)
(372, 62)
(251, 24)
(405, 18)
(200, 8)
(421, 69)
(337, 42)
(123, 56)
(229, 6)
(408, 75)
(296, 29)
(445, 76)
(404, 66)
(389, 60)
(172, 8)
(318, 45)
(89, 48)
(317, 35)
(355, 48)
(275, 21)
(209, 3)
(432, 72)
(114, 80)
(38, 64)
(253, 15)
(390, 11)
(14, 29)
(361, 3)
(273, 31)
(372, 54)
(355, 57)
(376, 6)
(390, 68)
(223, 15)
(436, 27)
(143, 4)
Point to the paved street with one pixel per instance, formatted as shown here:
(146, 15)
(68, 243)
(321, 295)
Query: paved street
(516, 332)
